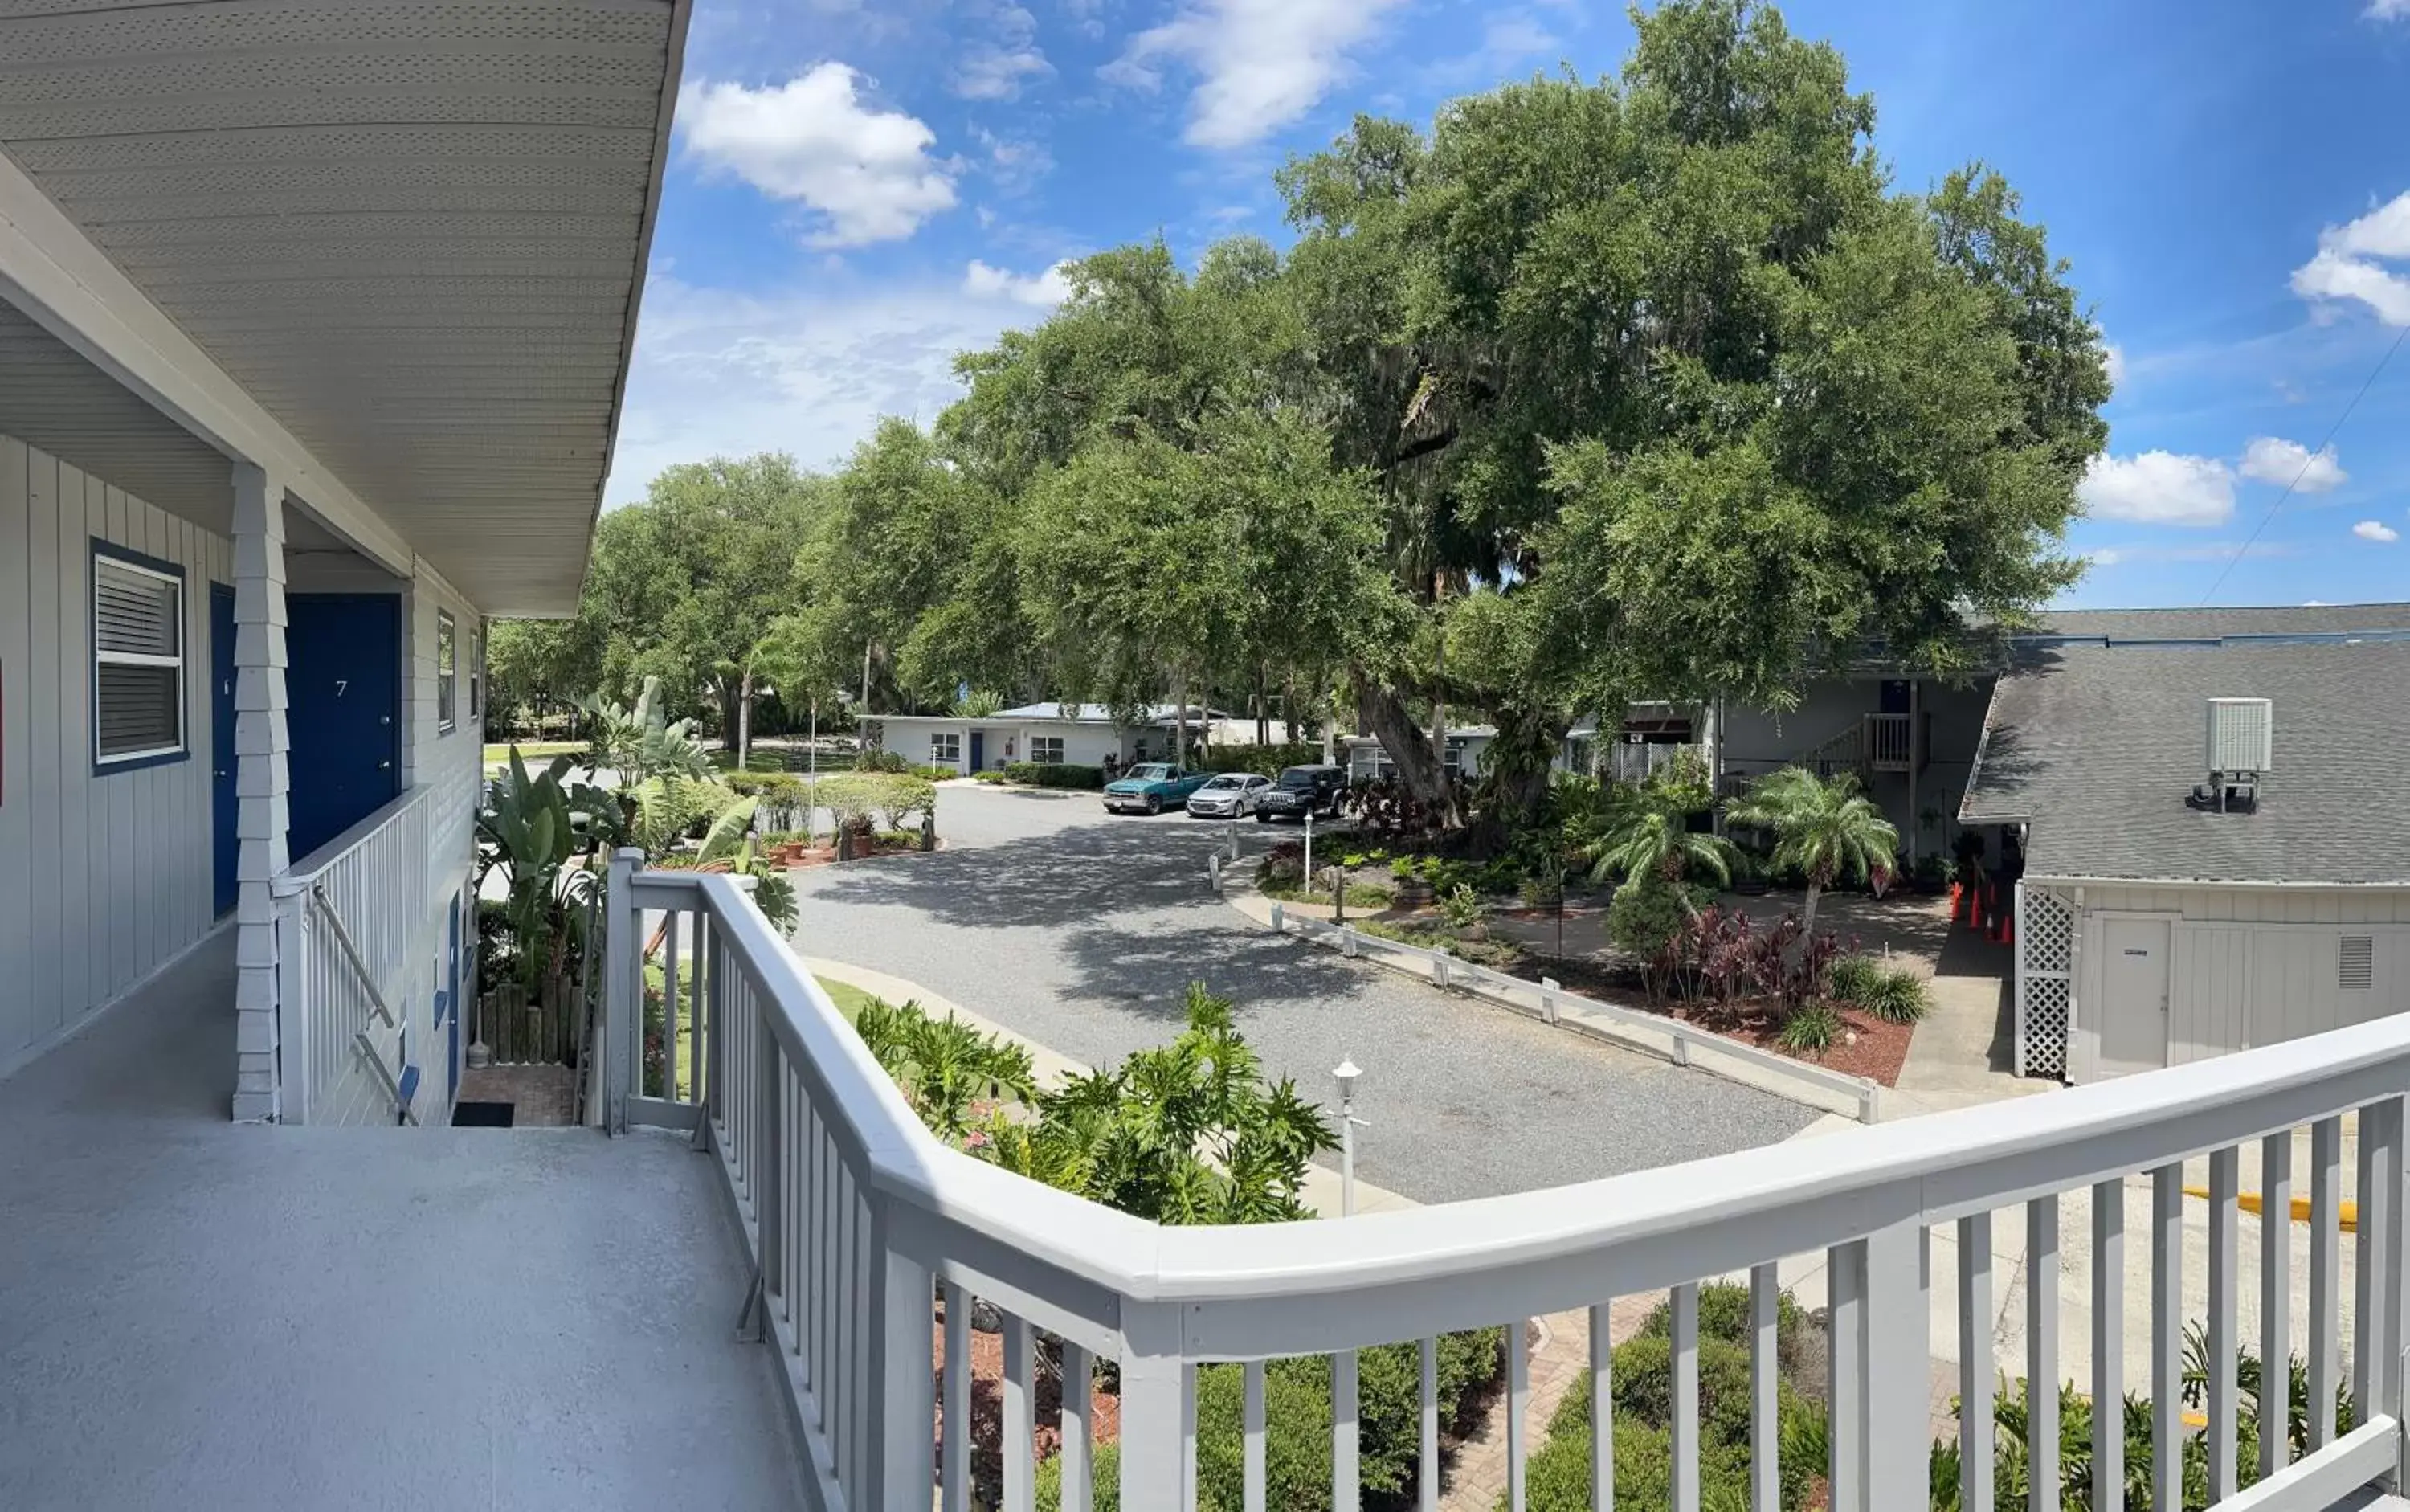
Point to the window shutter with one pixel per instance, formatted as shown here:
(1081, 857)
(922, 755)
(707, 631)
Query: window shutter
(2358, 970)
(137, 708)
(134, 614)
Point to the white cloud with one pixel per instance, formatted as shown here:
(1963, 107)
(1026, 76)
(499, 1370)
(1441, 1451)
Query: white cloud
(995, 67)
(2376, 530)
(1261, 64)
(809, 371)
(1014, 165)
(867, 172)
(2274, 459)
(2134, 555)
(2350, 257)
(2113, 357)
(1514, 37)
(2387, 9)
(1043, 290)
(2158, 488)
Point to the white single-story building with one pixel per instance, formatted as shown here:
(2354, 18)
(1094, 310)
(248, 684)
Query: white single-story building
(1080, 734)
(2153, 928)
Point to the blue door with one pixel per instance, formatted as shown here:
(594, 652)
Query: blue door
(224, 803)
(979, 750)
(344, 686)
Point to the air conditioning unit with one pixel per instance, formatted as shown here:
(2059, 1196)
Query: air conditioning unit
(2241, 735)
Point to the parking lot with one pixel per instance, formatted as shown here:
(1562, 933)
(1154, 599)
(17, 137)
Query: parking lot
(1081, 930)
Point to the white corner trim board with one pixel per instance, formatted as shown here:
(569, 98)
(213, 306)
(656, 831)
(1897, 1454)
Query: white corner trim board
(68, 287)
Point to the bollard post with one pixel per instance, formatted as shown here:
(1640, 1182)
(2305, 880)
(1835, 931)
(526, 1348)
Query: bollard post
(1548, 990)
(1278, 918)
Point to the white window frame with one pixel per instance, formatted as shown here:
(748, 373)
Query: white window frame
(477, 673)
(447, 688)
(132, 561)
(1055, 741)
(945, 748)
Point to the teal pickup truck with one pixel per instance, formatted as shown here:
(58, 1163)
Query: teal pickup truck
(1152, 787)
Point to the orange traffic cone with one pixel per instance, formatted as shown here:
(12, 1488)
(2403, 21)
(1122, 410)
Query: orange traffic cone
(1957, 904)
(2001, 928)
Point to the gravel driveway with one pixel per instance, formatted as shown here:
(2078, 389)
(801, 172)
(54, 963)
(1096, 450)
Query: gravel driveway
(1082, 931)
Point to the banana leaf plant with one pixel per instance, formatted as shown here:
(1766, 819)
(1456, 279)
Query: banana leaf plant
(545, 832)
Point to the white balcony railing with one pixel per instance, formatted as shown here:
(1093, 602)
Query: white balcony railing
(347, 921)
(1890, 742)
(859, 1220)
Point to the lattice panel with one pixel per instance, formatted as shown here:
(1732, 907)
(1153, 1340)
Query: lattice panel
(2045, 986)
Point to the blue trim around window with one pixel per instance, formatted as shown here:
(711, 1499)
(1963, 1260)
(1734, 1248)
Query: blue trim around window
(92, 656)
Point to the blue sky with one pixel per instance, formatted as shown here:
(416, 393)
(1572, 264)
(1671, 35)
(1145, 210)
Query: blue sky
(860, 188)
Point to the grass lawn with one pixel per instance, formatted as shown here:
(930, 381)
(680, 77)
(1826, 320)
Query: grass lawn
(757, 761)
(847, 998)
(499, 753)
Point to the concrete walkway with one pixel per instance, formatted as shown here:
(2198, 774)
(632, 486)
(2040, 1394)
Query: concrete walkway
(195, 1313)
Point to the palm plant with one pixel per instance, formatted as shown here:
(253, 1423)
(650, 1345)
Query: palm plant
(1642, 838)
(1827, 829)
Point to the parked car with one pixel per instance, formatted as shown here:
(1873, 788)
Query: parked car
(1152, 787)
(1300, 790)
(1231, 795)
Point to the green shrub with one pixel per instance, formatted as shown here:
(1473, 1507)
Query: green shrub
(1268, 760)
(1054, 775)
(990, 779)
(1297, 1419)
(1559, 1472)
(1850, 978)
(881, 761)
(1810, 1030)
(1643, 920)
(1898, 996)
(935, 774)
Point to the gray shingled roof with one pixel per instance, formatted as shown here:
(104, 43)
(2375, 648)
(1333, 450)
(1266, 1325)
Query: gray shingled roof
(2209, 624)
(2096, 748)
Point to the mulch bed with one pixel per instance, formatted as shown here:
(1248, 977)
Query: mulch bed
(1869, 1046)
(987, 1405)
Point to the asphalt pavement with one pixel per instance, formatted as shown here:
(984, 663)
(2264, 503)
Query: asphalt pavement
(1082, 931)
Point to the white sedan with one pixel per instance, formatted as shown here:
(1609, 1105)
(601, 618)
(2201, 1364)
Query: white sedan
(1230, 796)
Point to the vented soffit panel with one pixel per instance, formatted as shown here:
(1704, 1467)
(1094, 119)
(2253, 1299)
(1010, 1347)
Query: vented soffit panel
(415, 232)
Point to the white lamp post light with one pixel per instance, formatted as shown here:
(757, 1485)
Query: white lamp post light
(1345, 1074)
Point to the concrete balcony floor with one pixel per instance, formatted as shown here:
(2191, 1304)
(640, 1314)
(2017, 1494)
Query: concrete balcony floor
(200, 1315)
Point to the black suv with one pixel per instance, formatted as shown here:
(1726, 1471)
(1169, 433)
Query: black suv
(1301, 791)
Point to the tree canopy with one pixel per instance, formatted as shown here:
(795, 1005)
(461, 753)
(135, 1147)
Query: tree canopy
(1649, 386)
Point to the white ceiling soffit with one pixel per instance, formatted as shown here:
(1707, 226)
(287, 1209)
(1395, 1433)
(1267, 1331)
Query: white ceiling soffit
(52, 397)
(415, 232)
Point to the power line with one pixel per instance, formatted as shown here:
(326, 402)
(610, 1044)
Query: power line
(2308, 462)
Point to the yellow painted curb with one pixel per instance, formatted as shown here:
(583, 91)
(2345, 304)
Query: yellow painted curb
(2348, 1213)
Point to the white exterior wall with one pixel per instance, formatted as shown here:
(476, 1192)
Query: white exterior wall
(453, 764)
(104, 879)
(2247, 966)
(1004, 740)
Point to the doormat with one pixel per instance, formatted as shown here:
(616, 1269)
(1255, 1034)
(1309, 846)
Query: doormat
(483, 1114)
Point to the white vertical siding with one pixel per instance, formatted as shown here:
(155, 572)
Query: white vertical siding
(453, 764)
(103, 878)
(2257, 965)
